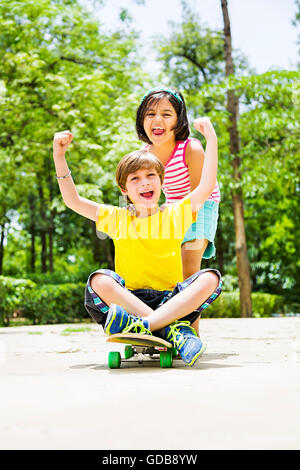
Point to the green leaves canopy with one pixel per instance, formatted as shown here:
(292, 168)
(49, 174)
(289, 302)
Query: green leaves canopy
(59, 71)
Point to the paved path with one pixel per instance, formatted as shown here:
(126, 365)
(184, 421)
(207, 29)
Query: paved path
(58, 393)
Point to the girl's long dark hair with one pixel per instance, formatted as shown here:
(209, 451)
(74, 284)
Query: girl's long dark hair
(181, 130)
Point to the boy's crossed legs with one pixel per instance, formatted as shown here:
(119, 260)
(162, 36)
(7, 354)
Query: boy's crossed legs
(105, 288)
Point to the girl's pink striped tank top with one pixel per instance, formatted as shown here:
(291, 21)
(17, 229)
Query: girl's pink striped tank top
(177, 180)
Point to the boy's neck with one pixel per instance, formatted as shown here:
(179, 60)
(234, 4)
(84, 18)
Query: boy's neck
(144, 211)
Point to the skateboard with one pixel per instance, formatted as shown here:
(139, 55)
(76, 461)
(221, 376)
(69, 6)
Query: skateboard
(140, 345)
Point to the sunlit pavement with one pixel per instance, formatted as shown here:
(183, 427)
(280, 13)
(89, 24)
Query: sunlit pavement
(58, 393)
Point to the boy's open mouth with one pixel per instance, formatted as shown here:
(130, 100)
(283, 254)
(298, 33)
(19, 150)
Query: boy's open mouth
(158, 130)
(147, 194)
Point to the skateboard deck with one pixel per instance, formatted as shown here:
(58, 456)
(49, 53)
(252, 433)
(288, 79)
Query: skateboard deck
(140, 345)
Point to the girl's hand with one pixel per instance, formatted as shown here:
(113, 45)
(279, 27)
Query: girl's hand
(61, 142)
(205, 127)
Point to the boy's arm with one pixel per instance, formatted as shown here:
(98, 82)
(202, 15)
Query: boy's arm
(210, 165)
(68, 190)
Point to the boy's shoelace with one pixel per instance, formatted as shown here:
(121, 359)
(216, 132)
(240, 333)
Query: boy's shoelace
(137, 327)
(177, 336)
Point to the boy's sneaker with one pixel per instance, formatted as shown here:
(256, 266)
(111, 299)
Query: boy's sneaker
(185, 340)
(120, 321)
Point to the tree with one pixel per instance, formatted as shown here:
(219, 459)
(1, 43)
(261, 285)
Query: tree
(270, 160)
(237, 192)
(194, 56)
(268, 143)
(193, 53)
(60, 71)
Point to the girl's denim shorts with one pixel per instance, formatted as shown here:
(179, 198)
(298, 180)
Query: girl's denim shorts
(98, 309)
(205, 227)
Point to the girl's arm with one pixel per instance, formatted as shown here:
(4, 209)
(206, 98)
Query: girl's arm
(194, 157)
(210, 165)
(68, 190)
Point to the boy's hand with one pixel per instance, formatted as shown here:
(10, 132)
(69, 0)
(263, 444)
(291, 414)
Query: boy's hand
(131, 209)
(163, 207)
(61, 142)
(205, 127)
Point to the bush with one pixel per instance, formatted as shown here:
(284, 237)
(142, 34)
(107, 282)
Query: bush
(227, 305)
(64, 303)
(69, 275)
(12, 294)
(41, 304)
(264, 305)
(59, 303)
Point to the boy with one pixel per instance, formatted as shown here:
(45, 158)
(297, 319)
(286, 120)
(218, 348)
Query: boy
(147, 249)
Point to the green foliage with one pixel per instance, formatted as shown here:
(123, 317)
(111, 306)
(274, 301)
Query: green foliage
(228, 305)
(59, 70)
(12, 294)
(192, 57)
(60, 303)
(64, 303)
(270, 161)
(41, 304)
(193, 53)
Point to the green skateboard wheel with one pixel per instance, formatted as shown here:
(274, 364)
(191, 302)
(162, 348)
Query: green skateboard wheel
(128, 351)
(166, 359)
(114, 360)
(174, 352)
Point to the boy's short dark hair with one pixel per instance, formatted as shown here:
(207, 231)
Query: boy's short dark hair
(133, 162)
(181, 130)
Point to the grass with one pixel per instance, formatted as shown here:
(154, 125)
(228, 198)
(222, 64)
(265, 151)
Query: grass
(70, 330)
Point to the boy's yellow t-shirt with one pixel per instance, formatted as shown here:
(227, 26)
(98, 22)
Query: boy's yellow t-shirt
(148, 250)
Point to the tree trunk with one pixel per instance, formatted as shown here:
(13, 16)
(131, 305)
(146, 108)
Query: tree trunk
(51, 237)
(2, 229)
(32, 232)
(220, 243)
(51, 221)
(243, 266)
(42, 224)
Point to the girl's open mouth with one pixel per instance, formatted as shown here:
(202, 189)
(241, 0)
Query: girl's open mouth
(158, 130)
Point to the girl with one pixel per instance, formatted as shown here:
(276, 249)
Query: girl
(161, 122)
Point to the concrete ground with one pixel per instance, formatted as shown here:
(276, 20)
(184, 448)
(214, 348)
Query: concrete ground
(58, 393)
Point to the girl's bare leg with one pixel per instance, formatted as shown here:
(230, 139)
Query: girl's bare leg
(191, 255)
(111, 292)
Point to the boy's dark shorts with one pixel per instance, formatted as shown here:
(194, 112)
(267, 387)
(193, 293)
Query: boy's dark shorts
(98, 309)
